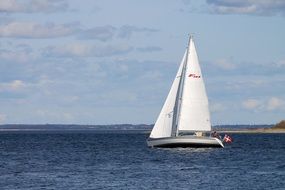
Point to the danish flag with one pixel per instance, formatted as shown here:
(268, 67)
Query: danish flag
(227, 139)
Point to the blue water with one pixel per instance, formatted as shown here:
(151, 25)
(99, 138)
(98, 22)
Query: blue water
(121, 160)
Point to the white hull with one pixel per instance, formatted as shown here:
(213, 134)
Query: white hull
(185, 141)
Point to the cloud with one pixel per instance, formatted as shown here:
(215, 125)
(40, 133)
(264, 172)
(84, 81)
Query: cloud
(84, 50)
(16, 29)
(275, 103)
(233, 68)
(251, 104)
(238, 84)
(20, 53)
(280, 63)
(127, 31)
(15, 85)
(14, 56)
(148, 49)
(9, 6)
(78, 50)
(35, 30)
(151, 75)
(271, 104)
(111, 50)
(250, 7)
(60, 85)
(32, 6)
(119, 97)
(224, 64)
(102, 33)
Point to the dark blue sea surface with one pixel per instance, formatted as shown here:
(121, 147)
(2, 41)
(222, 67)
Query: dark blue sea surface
(121, 160)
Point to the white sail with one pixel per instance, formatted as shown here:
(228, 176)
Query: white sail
(163, 125)
(194, 112)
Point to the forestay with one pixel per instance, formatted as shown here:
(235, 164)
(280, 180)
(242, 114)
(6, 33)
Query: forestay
(163, 125)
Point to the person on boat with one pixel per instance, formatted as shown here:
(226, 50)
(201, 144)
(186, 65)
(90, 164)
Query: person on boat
(216, 135)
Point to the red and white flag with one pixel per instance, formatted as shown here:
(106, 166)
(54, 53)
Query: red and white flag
(227, 139)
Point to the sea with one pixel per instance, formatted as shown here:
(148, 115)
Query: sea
(79, 160)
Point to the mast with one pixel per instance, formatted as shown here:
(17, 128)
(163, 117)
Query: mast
(178, 101)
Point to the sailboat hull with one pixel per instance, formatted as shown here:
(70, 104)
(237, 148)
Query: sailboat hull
(185, 141)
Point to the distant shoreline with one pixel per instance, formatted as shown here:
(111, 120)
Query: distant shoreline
(142, 128)
(251, 131)
(146, 131)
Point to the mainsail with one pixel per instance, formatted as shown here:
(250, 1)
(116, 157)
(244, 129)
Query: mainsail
(186, 106)
(194, 115)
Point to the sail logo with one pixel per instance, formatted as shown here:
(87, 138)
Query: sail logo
(194, 75)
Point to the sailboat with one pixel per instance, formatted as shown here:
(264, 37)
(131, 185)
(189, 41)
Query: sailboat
(184, 120)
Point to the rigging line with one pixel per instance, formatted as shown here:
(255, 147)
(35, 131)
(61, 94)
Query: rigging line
(178, 101)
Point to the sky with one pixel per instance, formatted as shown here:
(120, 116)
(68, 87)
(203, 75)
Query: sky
(113, 62)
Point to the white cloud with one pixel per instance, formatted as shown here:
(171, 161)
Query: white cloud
(12, 86)
(255, 7)
(84, 50)
(35, 30)
(241, 83)
(17, 29)
(271, 104)
(104, 33)
(9, 6)
(16, 85)
(13, 6)
(224, 64)
(76, 49)
(251, 104)
(149, 49)
(275, 103)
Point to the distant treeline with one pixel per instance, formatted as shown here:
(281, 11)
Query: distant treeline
(280, 125)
